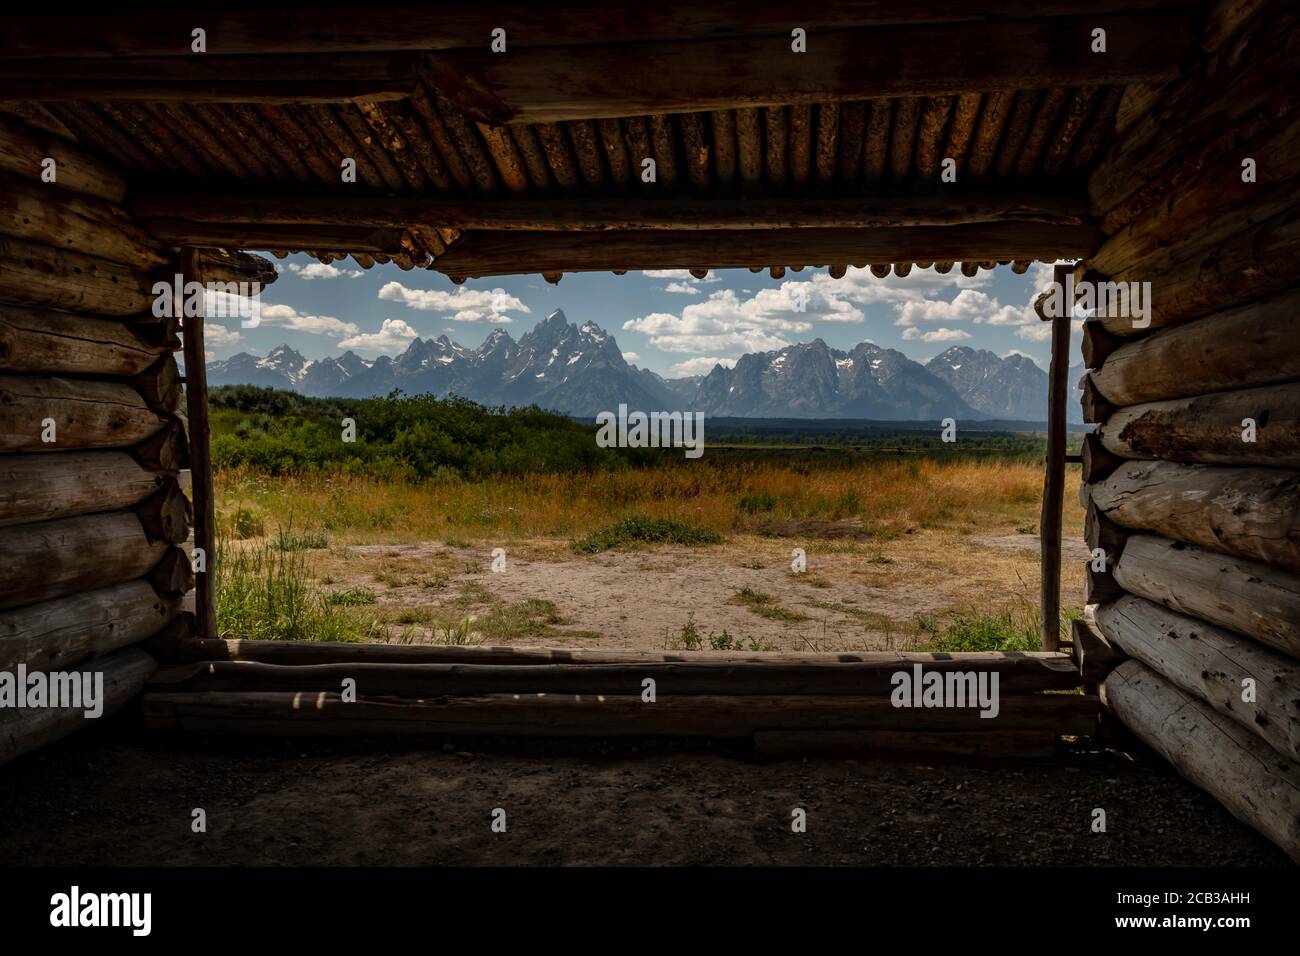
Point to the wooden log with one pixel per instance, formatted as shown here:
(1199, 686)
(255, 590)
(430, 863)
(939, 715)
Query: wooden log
(1248, 597)
(227, 265)
(166, 450)
(1098, 344)
(214, 78)
(566, 83)
(1097, 461)
(1248, 512)
(1207, 207)
(86, 414)
(1214, 666)
(1095, 407)
(1100, 586)
(1212, 751)
(205, 525)
(1249, 346)
(547, 715)
(415, 26)
(1100, 532)
(504, 252)
(166, 515)
(1210, 428)
(124, 673)
(302, 653)
(39, 275)
(23, 147)
(560, 215)
(40, 340)
(341, 239)
(44, 213)
(54, 635)
(1015, 676)
(1094, 654)
(1259, 261)
(160, 385)
(68, 555)
(995, 744)
(42, 487)
(1228, 99)
(173, 573)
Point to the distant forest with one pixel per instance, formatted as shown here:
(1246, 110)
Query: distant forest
(416, 437)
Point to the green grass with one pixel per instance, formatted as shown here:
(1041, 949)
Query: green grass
(641, 530)
(353, 597)
(766, 606)
(265, 594)
(301, 541)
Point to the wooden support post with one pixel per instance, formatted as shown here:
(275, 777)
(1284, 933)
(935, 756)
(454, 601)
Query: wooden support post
(1049, 523)
(196, 405)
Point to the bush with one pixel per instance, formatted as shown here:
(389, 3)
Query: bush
(641, 530)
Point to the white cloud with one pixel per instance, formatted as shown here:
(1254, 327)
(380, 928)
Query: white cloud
(700, 365)
(631, 357)
(394, 334)
(682, 288)
(726, 323)
(969, 305)
(286, 316)
(466, 305)
(684, 283)
(218, 335)
(912, 333)
(323, 270)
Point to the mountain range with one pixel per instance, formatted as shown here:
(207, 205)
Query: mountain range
(580, 370)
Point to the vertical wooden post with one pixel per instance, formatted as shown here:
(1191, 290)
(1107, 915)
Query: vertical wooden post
(1049, 522)
(196, 408)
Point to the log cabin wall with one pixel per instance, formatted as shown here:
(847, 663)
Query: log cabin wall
(1192, 478)
(92, 515)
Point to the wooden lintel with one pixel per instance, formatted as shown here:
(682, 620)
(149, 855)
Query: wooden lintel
(954, 207)
(508, 252)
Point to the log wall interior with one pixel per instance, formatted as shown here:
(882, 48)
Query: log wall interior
(1195, 622)
(91, 447)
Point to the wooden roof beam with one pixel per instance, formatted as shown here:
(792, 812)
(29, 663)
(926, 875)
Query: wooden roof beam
(336, 27)
(208, 212)
(214, 78)
(554, 84)
(509, 253)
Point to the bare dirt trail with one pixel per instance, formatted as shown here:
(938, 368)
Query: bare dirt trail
(853, 595)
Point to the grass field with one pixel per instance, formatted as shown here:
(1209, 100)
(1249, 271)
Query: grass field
(911, 552)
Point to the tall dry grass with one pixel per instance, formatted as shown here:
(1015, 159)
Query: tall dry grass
(886, 497)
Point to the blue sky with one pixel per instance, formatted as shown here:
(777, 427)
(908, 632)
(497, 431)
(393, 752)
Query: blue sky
(666, 321)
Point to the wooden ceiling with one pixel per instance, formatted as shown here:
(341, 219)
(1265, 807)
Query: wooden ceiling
(477, 163)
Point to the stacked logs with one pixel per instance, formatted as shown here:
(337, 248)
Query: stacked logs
(91, 511)
(1192, 476)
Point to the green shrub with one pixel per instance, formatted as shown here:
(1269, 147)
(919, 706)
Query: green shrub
(641, 530)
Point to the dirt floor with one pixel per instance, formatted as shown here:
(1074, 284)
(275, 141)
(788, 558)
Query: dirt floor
(855, 594)
(117, 795)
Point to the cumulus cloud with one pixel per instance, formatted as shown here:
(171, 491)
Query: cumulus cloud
(286, 316)
(631, 357)
(913, 334)
(683, 282)
(700, 365)
(323, 270)
(727, 323)
(681, 288)
(465, 305)
(394, 334)
(218, 335)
